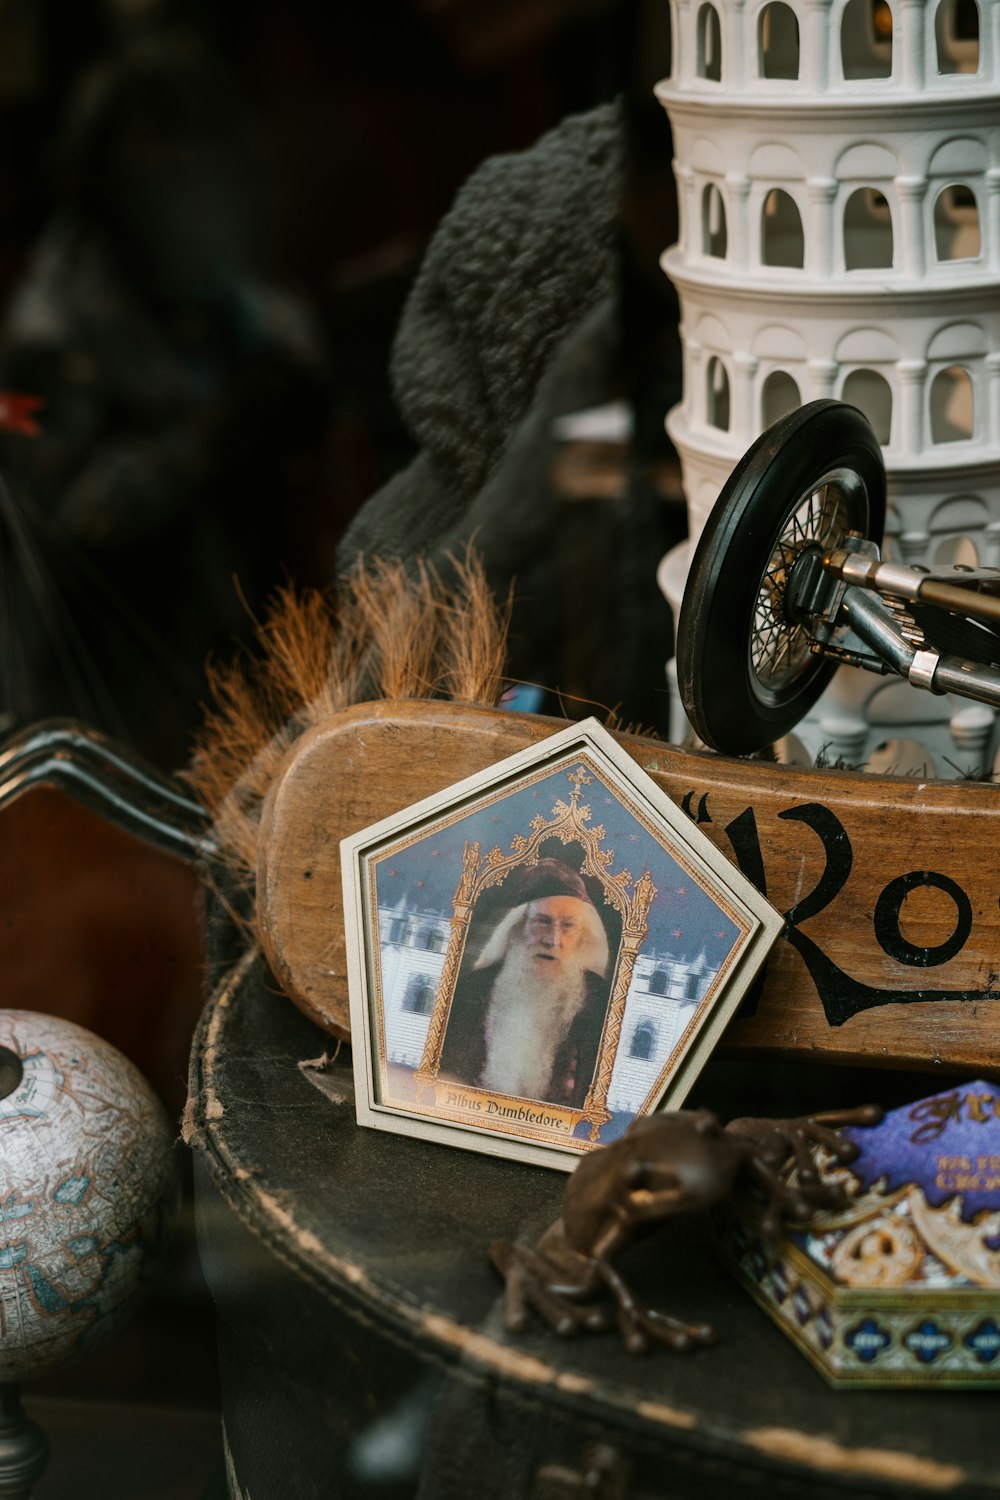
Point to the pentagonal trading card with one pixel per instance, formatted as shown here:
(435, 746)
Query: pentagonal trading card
(541, 953)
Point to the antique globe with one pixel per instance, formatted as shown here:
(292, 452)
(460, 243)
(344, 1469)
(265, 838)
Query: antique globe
(88, 1193)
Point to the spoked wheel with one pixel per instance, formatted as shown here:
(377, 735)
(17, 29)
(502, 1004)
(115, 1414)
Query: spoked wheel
(746, 671)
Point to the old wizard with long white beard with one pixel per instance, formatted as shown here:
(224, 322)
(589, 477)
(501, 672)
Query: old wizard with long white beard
(527, 1016)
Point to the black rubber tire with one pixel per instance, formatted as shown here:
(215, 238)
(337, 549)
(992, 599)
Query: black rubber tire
(725, 701)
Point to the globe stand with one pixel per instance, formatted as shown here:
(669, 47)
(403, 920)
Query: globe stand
(24, 1448)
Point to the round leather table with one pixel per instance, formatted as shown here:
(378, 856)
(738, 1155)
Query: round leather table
(361, 1338)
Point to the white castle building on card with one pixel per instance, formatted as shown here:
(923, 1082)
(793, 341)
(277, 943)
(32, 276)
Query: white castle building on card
(412, 949)
(838, 175)
(661, 1000)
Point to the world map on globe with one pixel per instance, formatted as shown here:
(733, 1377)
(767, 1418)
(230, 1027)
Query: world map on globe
(88, 1190)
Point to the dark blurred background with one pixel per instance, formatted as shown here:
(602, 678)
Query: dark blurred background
(211, 212)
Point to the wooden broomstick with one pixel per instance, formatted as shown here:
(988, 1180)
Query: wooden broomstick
(890, 887)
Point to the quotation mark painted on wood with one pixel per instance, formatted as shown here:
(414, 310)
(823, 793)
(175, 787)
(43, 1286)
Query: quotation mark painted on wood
(702, 815)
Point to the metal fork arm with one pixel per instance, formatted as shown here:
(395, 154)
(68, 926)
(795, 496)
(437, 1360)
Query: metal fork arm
(962, 601)
(876, 628)
(914, 585)
(106, 778)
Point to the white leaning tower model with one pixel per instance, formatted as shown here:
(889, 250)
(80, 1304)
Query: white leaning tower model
(838, 175)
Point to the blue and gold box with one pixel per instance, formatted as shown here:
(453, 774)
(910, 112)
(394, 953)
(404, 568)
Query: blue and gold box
(901, 1286)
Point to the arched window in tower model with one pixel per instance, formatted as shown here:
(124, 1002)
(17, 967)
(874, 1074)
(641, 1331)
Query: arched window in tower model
(782, 242)
(871, 393)
(779, 396)
(714, 239)
(778, 42)
(643, 1038)
(418, 998)
(866, 39)
(717, 394)
(709, 34)
(958, 532)
(956, 223)
(956, 549)
(953, 417)
(868, 242)
(956, 32)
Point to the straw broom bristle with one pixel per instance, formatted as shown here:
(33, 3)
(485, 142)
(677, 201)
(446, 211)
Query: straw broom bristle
(392, 634)
(299, 639)
(475, 635)
(400, 615)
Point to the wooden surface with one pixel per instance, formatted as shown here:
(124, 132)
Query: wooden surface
(890, 888)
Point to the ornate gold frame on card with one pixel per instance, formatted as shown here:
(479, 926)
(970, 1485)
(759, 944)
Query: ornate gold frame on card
(436, 1102)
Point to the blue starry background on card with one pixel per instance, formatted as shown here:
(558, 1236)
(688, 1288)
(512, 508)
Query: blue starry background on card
(684, 919)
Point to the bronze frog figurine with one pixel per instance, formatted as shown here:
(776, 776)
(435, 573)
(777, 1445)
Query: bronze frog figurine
(666, 1165)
